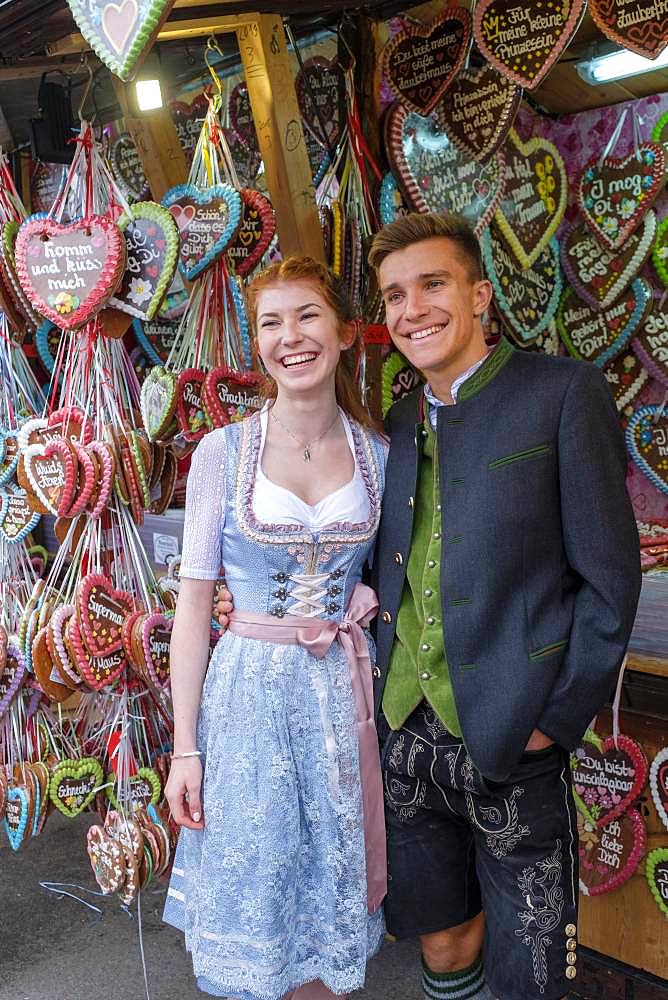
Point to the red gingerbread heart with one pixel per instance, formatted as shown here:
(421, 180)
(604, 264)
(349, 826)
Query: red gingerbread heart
(69, 272)
(610, 856)
(101, 611)
(258, 225)
(607, 779)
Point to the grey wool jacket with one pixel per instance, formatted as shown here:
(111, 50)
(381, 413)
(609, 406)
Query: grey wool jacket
(540, 564)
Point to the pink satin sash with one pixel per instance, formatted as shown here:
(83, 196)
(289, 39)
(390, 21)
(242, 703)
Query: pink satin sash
(317, 635)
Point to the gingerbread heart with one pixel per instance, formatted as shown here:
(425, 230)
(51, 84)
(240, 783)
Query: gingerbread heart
(479, 111)
(52, 472)
(10, 454)
(127, 168)
(101, 610)
(642, 28)
(658, 783)
(258, 225)
(599, 276)
(626, 377)
(145, 789)
(107, 859)
(158, 401)
(188, 120)
(68, 272)
(660, 251)
(74, 783)
(615, 195)
(230, 395)
(156, 338)
(398, 379)
(323, 81)
(46, 184)
(525, 41)
(17, 518)
(12, 676)
(607, 779)
(435, 176)
(650, 342)
(156, 632)
(527, 298)
(190, 408)
(105, 463)
(3, 652)
(152, 247)
(17, 814)
(207, 220)
(247, 162)
(656, 870)
(609, 856)
(11, 280)
(647, 443)
(120, 33)
(596, 336)
(97, 672)
(534, 201)
(241, 117)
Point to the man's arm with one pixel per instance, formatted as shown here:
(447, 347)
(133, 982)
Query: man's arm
(601, 544)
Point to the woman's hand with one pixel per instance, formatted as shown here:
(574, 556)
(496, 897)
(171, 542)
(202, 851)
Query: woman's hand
(182, 791)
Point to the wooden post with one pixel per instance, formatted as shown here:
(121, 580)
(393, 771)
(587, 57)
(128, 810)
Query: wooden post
(157, 144)
(275, 110)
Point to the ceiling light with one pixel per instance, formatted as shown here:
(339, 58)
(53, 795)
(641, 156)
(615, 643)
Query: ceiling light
(617, 65)
(149, 95)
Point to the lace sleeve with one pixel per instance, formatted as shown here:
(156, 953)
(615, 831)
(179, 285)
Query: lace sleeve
(201, 557)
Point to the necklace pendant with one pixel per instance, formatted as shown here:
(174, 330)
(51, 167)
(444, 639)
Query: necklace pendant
(307, 454)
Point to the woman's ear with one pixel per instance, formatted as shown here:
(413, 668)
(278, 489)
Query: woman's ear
(348, 334)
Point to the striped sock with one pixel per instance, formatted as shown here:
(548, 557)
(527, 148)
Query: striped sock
(465, 984)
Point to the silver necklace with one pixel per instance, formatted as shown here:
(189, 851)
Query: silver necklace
(306, 445)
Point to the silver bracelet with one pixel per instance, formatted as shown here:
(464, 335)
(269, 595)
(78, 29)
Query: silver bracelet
(190, 753)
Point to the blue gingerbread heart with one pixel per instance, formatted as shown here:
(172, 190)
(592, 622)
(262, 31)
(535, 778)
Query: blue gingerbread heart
(207, 220)
(647, 442)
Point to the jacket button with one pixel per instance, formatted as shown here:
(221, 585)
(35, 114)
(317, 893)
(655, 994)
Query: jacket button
(398, 558)
(387, 617)
(411, 502)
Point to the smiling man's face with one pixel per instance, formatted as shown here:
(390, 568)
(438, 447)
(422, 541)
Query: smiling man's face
(433, 308)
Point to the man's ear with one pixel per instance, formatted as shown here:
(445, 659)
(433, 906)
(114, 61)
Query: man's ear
(482, 296)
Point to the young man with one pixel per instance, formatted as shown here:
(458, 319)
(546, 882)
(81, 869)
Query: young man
(507, 568)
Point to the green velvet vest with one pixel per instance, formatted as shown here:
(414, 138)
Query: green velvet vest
(418, 668)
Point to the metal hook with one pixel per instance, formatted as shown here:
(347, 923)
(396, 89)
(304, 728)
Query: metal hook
(213, 46)
(89, 84)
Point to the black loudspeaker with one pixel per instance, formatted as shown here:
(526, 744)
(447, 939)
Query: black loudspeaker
(52, 132)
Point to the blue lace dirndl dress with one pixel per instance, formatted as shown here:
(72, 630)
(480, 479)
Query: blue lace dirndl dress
(272, 893)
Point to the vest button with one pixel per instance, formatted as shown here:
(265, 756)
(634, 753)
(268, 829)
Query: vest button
(438, 507)
(437, 534)
(387, 617)
(398, 558)
(431, 563)
(431, 620)
(425, 675)
(428, 592)
(425, 647)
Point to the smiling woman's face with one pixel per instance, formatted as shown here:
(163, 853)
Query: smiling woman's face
(299, 337)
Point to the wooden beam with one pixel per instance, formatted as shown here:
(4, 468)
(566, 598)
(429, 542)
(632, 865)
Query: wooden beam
(27, 69)
(157, 143)
(271, 91)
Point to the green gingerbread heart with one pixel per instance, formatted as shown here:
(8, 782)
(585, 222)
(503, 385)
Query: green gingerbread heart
(74, 784)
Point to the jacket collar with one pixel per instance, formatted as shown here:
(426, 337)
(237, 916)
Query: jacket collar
(482, 376)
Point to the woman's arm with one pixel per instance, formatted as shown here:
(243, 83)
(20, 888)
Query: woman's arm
(189, 655)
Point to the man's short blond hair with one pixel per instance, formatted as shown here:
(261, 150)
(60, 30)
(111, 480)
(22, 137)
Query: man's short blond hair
(417, 227)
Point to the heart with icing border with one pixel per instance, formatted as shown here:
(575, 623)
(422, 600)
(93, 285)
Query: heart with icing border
(658, 783)
(231, 395)
(607, 779)
(598, 275)
(74, 783)
(188, 120)
(4, 638)
(190, 409)
(660, 251)
(647, 443)
(527, 298)
(17, 812)
(258, 225)
(324, 81)
(120, 34)
(241, 117)
(626, 377)
(479, 111)
(207, 220)
(534, 201)
(524, 42)
(247, 162)
(8, 267)
(127, 167)
(421, 61)
(642, 29)
(47, 342)
(12, 676)
(51, 470)
(69, 272)
(101, 610)
(11, 454)
(158, 401)
(145, 789)
(17, 518)
(156, 338)
(615, 195)
(156, 631)
(107, 859)
(435, 176)
(597, 336)
(609, 856)
(152, 249)
(97, 672)
(656, 871)
(650, 342)
(103, 456)
(660, 130)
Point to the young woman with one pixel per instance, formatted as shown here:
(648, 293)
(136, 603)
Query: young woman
(280, 869)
